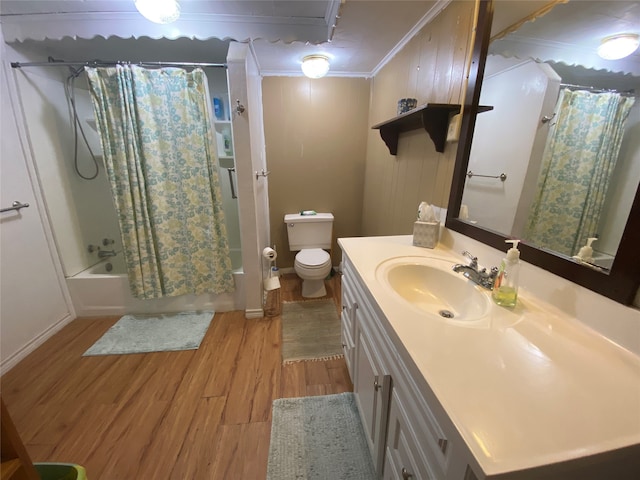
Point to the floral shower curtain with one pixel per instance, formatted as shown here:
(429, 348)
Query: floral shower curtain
(157, 143)
(581, 152)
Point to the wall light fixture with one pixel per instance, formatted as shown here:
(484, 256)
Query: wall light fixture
(315, 66)
(616, 47)
(159, 11)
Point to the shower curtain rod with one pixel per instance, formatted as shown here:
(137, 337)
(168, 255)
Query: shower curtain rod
(100, 63)
(596, 89)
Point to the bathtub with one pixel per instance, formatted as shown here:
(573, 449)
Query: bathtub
(103, 290)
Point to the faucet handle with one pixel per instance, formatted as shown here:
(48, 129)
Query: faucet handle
(474, 260)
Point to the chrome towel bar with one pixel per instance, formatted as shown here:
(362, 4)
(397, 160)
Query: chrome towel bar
(502, 176)
(16, 205)
(233, 188)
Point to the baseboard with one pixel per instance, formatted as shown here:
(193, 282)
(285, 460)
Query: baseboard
(253, 313)
(14, 359)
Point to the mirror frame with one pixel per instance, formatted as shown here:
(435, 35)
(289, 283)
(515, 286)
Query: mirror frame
(623, 280)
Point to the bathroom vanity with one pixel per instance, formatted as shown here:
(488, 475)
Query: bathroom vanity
(520, 393)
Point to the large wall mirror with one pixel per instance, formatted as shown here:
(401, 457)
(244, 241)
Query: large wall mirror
(556, 163)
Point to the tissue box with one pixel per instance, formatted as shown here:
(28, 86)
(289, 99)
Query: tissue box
(425, 234)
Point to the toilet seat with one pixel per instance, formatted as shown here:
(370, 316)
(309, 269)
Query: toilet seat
(312, 258)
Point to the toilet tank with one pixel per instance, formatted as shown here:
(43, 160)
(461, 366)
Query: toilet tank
(309, 231)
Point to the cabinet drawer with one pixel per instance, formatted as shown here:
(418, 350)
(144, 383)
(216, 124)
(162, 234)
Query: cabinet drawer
(434, 444)
(349, 307)
(405, 457)
(348, 348)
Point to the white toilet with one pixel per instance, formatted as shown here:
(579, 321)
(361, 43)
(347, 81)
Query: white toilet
(308, 235)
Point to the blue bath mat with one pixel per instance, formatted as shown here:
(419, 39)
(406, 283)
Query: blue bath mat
(318, 438)
(153, 333)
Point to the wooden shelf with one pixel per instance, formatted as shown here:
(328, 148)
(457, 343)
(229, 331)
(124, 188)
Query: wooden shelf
(433, 117)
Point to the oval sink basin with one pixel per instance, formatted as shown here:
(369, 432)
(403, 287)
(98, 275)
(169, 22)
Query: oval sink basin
(429, 285)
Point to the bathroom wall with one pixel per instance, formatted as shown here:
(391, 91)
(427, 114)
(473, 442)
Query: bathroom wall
(316, 134)
(34, 300)
(429, 68)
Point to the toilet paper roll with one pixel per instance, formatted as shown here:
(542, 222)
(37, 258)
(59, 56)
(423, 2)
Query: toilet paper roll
(269, 253)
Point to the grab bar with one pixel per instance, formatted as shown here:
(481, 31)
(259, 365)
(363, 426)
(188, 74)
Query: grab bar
(16, 205)
(502, 176)
(233, 188)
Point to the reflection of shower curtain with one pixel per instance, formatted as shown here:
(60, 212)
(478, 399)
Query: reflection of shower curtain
(158, 148)
(581, 152)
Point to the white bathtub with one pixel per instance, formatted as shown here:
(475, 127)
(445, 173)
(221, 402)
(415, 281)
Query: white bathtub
(99, 292)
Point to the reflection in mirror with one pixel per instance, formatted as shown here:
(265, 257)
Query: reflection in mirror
(565, 131)
(566, 57)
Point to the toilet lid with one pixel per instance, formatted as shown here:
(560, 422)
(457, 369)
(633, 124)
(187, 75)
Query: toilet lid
(312, 256)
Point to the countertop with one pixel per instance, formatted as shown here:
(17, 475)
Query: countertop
(525, 387)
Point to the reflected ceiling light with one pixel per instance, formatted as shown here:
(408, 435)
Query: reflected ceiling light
(618, 46)
(159, 11)
(315, 66)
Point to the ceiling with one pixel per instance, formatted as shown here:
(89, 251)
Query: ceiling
(281, 32)
(366, 34)
(570, 34)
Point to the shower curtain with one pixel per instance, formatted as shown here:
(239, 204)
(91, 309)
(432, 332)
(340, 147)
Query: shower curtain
(157, 141)
(581, 152)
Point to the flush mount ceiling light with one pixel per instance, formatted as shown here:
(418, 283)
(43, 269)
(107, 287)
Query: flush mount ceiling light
(618, 46)
(159, 11)
(315, 66)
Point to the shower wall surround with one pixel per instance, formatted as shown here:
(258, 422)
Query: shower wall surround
(81, 211)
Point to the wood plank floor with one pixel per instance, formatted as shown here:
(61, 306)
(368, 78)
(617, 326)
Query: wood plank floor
(197, 414)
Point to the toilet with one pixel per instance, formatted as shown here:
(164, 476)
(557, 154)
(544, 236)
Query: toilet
(309, 235)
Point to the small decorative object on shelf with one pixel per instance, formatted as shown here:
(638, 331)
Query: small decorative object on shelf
(406, 104)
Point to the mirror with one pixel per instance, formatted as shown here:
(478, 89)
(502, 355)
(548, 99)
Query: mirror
(530, 73)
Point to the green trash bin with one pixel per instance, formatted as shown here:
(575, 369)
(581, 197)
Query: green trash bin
(60, 471)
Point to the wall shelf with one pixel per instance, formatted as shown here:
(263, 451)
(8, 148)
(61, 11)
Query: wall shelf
(433, 117)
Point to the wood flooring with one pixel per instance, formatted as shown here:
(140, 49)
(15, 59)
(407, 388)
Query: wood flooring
(196, 414)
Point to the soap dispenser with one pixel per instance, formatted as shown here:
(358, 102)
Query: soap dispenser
(505, 287)
(586, 253)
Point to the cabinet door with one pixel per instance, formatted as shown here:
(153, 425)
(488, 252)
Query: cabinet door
(403, 458)
(371, 387)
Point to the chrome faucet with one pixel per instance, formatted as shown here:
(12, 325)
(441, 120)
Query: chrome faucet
(106, 253)
(481, 277)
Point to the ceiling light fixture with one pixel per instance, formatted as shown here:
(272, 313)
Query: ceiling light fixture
(159, 11)
(618, 46)
(315, 66)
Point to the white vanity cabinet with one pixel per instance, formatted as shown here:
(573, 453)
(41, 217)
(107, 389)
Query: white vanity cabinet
(503, 398)
(369, 372)
(405, 435)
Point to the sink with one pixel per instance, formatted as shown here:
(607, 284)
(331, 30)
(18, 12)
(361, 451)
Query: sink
(430, 286)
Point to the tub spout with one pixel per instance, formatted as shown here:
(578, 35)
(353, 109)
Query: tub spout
(107, 253)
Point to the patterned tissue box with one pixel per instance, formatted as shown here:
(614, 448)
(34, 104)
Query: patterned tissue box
(425, 234)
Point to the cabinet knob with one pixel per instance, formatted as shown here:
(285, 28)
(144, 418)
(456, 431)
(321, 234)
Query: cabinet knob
(405, 474)
(376, 385)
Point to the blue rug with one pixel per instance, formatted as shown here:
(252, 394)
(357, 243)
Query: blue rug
(318, 438)
(153, 333)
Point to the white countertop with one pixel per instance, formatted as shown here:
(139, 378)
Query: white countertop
(527, 386)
